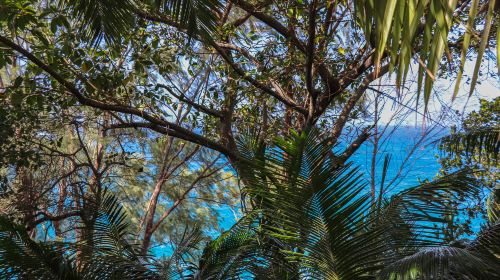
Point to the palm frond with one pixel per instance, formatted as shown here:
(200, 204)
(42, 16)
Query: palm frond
(197, 16)
(440, 263)
(483, 143)
(111, 228)
(112, 19)
(487, 243)
(424, 208)
(21, 257)
(395, 27)
(320, 216)
(493, 206)
(114, 256)
(102, 19)
(232, 253)
(314, 209)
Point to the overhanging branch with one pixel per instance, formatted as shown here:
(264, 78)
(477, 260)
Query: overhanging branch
(158, 124)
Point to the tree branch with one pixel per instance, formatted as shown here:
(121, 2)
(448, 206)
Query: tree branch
(245, 53)
(349, 151)
(197, 106)
(351, 102)
(283, 99)
(271, 22)
(48, 217)
(198, 139)
(310, 49)
(157, 124)
(178, 201)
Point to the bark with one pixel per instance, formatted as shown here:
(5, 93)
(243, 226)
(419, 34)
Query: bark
(166, 171)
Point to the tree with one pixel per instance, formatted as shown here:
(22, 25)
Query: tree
(318, 220)
(307, 218)
(111, 255)
(300, 73)
(177, 186)
(74, 147)
(76, 161)
(205, 72)
(475, 145)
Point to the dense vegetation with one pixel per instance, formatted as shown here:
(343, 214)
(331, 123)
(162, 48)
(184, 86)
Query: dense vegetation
(130, 130)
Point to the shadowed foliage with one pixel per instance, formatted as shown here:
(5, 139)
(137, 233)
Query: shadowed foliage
(306, 217)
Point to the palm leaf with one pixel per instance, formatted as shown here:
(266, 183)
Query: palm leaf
(321, 216)
(21, 257)
(114, 256)
(416, 219)
(466, 43)
(197, 16)
(485, 143)
(440, 263)
(102, 19)
(232, 253)
(482, 46)
(493, 206)
(315, 209)
(430, 38)
(111, 20)
(487, 243)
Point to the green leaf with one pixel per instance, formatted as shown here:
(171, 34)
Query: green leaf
(41, 36)
(102, 19)
(199, 17)
(385, 27)
(18, 81)
(482, 46)
(466, 43)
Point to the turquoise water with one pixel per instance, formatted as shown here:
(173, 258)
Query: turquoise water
(413, 156)
(413, 159)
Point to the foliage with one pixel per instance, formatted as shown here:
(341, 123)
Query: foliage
(476, 145)
(314, 219)
(307, 217)
(86, 87)
(396, 25)
(203, 54)
(195, 186)
(23, 257)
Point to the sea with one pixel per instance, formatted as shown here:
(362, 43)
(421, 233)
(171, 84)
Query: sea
(412, 156)
(412, 153)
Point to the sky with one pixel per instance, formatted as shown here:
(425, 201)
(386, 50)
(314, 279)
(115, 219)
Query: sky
(441, 103)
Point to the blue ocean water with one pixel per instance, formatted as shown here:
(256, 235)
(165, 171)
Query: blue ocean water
(413, 153)
(414, 158)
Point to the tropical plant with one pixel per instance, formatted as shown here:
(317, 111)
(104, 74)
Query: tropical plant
(112, 19)
(314, 219)
(329, 53)
(476, 145)
(111, 255)
(396, 24)
(224, 66)
(307, 217)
